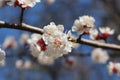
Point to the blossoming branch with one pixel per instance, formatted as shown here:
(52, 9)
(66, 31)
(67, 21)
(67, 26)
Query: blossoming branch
(33, 29)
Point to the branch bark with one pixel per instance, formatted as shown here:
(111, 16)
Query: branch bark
(99, 44)
(23, 26)
(26, 27)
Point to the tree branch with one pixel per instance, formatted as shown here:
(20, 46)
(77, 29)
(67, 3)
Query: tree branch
(40, 31)
(112, 55)
(99, 44)
(24, 27)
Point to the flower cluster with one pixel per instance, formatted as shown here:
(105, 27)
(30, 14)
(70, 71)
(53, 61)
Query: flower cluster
(51, 45)
(85, 25)
(114, 68)
(99, 56)
(2, 57)
(23, 3)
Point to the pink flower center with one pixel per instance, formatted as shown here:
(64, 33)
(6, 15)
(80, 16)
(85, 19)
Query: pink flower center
(58, 42)
(97, 56)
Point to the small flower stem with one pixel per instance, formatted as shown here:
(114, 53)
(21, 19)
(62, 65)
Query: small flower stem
(21, 15)
(80, 36)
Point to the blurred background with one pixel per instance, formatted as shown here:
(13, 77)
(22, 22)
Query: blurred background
(105, 12)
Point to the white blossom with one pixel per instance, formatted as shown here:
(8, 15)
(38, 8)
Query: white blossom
(2, 57)
(36, 44)
(70, 62)
(11, 2)
(56, 41)
(93, 33)
(35, 50)
(28, 64)
(24, 37)
(35, 37)
(106, 31)
(118, 37)
(2, 63)
(10, 43)
(2, 3)
(83, 24)
(19, 64)
(99, 56)
(114, 68)
(43, 59)
(52, 44)
(118, 68)
(2, 54)
(23, 3)
(52, 28)
(58, 45)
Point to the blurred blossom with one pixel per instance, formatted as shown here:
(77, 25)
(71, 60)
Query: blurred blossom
(2, 54)
(2, 62)
(24, 37)
(114, 68)
(28, 64)
(34, 38)
(118, 37)
(23, 3)
(35, 50)
(10, 43)
(19, 64)
(43, 59)
(83, 24)
(70, 62)
(105, 32)
(50, 1)
(2, 3)
(99, 56)
(2, 57)
(36, 44)
(93, 33)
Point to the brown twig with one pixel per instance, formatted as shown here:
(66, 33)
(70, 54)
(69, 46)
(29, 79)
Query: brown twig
(24, 27)
(21, 15)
